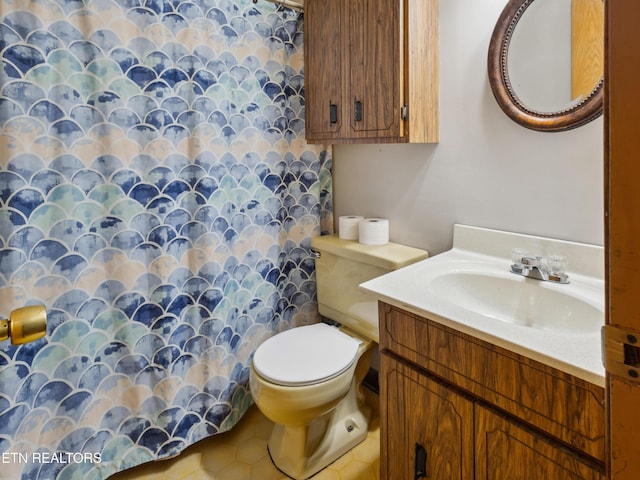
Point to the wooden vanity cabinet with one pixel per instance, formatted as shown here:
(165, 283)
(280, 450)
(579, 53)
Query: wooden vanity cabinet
(409, 399)
(456, 407)
(506, 450)
(371, 71)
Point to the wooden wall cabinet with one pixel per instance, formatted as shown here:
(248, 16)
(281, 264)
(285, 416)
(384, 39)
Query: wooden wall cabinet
(455, 407)
(371, 71)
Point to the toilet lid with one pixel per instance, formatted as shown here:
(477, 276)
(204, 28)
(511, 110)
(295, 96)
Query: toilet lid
(305, 355)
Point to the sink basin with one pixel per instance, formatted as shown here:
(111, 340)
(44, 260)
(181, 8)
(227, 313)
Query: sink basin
(471, 289)
(517, 300)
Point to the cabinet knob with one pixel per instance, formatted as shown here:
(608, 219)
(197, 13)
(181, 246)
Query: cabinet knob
(357, 110)
(420, 467)
(333, 113)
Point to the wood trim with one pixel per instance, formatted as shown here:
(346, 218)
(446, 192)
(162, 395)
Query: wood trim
(587, 45)
(622, 229)
(423, 70)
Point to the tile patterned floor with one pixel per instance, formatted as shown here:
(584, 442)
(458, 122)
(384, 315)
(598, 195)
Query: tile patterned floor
(241, 454)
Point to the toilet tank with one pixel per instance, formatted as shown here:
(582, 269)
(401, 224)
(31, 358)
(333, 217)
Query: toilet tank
(342, 265)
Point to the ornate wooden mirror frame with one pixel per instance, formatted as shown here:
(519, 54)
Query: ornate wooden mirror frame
(588, 109)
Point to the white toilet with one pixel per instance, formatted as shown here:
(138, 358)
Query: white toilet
(307, 379)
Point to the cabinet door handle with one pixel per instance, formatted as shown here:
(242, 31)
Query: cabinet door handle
(420, 467)
(333, 113)
(357, 110)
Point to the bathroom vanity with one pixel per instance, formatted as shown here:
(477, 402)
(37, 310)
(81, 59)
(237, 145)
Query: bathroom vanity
(489, 375)
(471, 409)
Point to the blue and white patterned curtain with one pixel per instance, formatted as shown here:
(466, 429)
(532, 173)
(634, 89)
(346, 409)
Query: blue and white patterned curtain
(157, 196)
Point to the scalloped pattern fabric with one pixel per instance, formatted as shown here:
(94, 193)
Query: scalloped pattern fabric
(157, 196)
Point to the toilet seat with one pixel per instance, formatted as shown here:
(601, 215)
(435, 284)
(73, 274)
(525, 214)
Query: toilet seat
(305, 355)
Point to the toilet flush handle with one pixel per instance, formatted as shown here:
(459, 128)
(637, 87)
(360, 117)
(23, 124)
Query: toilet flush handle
(315, 253)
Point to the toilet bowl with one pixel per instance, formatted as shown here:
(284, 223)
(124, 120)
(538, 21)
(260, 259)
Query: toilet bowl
(318, 417)
(308, 380)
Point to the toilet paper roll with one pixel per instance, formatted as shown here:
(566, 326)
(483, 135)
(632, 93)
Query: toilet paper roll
(373, 231)
(348, 227)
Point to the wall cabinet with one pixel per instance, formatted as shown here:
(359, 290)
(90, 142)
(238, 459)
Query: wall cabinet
(371, 71)
(455, 407)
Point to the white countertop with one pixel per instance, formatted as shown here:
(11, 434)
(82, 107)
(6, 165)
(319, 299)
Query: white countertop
(488, 252)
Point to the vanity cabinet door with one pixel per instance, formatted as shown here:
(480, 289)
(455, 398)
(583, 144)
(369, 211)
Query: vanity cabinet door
(505, 450)
(428, 427)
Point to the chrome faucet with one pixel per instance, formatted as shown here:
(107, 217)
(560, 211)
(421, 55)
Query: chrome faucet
(534, 267)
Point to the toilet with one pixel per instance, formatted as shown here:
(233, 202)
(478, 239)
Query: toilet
(307, 380)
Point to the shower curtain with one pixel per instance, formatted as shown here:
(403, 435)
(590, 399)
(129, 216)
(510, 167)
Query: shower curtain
(157, 196)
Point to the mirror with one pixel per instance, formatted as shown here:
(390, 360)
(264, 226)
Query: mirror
(546, 62)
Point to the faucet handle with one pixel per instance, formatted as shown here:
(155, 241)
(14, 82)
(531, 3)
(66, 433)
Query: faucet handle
(557, 264)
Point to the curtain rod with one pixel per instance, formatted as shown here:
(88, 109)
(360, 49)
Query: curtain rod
(287, 4)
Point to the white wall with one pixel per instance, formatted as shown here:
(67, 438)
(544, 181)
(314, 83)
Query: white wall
(486, 171)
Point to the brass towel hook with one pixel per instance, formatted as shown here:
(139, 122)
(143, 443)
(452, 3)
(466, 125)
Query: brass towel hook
(25, 324)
